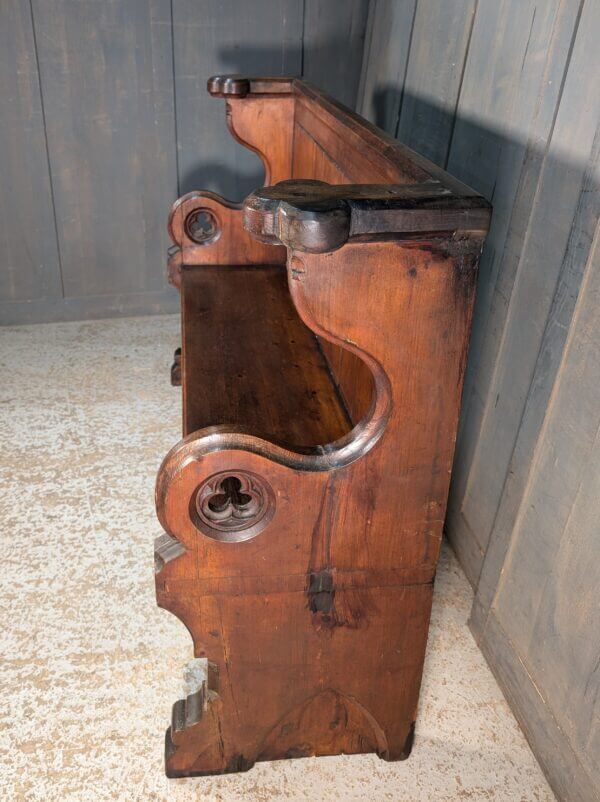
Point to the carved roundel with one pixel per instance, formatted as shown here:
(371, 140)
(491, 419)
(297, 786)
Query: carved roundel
(233, 506)
(202, 227)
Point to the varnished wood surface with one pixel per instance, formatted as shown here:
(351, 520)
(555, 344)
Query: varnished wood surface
(307, 584)
(359, 148)
(249, 361)
(323, 720)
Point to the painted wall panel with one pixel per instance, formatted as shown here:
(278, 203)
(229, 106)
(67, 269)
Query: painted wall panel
(440, 40)
(229, 37)
(105, 120)
(385, 62)
(30, 266)
(105, 71)
(333, 46)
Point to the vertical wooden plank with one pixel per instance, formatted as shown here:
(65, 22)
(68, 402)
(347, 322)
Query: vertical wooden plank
(334, 37)
(500, 85)
(547, 598)
(440, 39)
(259, 38)
(367, 56)
(581, 249)
(30, 265)
(536, 604)
(558, 470)
(501, 131)
(106, 77)
(572, 686)
(382, 82)
(570, 781)
(540, 262)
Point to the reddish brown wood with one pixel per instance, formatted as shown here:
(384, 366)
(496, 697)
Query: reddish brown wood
(241, 332)
(304, 508)
(264, 124)
(208, 230)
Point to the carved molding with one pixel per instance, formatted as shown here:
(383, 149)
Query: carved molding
(185, 214)
(241, 86)
(233, 506)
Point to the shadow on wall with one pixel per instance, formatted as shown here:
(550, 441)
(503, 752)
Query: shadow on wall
(232, 184)
(326, 65)
(469, 150)
(535, 195)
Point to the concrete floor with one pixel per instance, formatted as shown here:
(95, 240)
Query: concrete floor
(90, 666)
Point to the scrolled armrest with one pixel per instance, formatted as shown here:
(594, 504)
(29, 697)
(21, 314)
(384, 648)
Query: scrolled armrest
(317, 217)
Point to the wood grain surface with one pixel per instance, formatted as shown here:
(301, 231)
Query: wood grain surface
(301, 540)
(240, 331)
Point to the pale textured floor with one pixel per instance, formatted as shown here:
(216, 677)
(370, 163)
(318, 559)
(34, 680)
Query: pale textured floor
(90, 666)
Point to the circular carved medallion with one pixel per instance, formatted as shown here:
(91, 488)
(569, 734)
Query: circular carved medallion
(202, 227)
(232, 506)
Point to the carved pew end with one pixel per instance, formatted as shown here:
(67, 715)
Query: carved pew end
(325, 329)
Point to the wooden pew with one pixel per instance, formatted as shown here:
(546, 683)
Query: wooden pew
(325, 325)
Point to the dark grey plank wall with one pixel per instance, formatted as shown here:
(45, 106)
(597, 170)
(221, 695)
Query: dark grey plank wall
(331, 44)
(105, 119)
(106, 82)
(504, 94)
(30, 268)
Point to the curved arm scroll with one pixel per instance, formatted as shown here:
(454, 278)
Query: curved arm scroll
(327, 457)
